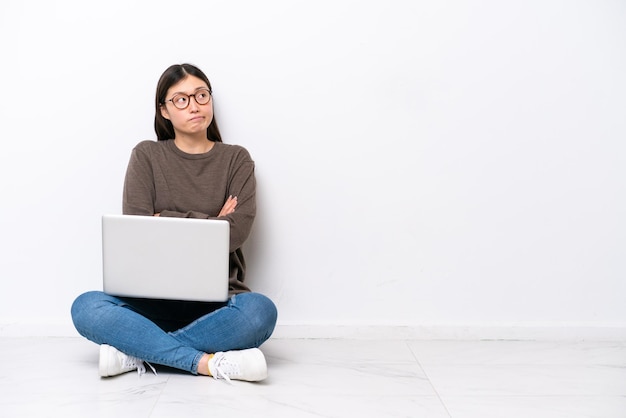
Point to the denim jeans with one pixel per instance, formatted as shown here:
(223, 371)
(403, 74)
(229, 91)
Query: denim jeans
(174, 333)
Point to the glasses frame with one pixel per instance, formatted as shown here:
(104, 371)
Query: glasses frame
(189, 96)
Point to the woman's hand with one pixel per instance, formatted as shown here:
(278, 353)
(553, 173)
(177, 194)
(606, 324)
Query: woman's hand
(229, 206)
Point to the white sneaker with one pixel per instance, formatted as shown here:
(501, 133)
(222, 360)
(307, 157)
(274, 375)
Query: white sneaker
(114, 362)
(246, 365)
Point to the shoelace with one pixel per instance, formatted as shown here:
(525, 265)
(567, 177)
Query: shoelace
(130, 363)
(223, 368)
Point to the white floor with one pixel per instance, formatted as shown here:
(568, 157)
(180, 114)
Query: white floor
(54, 377)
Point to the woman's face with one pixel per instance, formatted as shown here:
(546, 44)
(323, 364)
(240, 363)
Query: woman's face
(195, 118)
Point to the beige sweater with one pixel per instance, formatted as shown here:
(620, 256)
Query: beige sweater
(163, 179)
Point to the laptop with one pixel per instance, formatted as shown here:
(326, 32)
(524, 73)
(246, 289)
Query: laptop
(165, 258)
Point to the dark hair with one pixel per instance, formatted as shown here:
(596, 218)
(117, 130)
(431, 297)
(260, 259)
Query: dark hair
(163, 127)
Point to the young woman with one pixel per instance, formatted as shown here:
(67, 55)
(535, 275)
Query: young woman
(189, 172)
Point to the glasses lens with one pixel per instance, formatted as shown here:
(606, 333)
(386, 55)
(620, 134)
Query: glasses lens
(181, 101)
(203, 96)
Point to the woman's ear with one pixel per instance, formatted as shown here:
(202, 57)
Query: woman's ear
(165, 113)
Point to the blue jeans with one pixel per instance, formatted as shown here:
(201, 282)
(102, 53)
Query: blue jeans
(174, 333)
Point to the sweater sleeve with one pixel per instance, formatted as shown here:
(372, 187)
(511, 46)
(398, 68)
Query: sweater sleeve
(139, 191)
(243, 185)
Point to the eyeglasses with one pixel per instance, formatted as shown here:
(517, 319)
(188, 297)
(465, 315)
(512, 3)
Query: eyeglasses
(182, 100)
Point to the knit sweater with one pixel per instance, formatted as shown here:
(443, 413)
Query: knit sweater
(163, 179)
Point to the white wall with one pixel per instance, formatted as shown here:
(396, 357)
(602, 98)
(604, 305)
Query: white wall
(420, 164)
